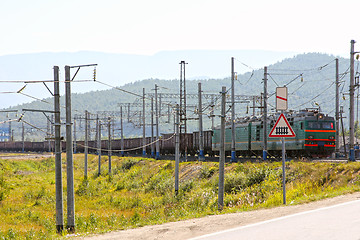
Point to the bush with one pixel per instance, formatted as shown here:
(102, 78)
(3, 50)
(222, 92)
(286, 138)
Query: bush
(207, 172)
(128, 163)
(3, 189)
(234, 182)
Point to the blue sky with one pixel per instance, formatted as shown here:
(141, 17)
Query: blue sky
(148, 26)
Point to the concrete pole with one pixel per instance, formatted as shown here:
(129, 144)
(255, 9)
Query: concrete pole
(86, 142)
(265, 116)
(152, 128)
(352, 102)
(157, 125)
(122, 132)
(201, 133)
(58, 165)
(48, 133)
(98, 138)
(109, 143)
(254, 101)
(222, 151)
(212, 113)
(75, 144)
(177, 150)
(143, 121)
(69, 156)
(23, 136)
(128, 116)
(337, 146)
(343, 130)
(233, 136)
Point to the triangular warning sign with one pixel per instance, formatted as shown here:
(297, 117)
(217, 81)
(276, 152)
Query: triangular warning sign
(282, 128)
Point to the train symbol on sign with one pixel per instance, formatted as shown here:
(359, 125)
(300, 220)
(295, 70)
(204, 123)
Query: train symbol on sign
(282, 128)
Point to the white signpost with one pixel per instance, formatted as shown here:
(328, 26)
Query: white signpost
(282, 128)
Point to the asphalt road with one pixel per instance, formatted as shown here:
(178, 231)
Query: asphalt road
(335, 222)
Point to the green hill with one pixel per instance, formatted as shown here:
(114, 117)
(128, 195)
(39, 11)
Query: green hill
(310, 79)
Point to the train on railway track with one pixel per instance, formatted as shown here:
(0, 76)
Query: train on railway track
(315, 137)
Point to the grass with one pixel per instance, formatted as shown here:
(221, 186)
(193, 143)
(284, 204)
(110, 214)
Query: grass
(140, 192)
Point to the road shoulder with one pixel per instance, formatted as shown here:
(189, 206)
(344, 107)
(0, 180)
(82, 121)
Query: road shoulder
(210, 224)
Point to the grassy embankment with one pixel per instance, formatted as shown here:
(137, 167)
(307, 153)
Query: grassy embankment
(140, 192)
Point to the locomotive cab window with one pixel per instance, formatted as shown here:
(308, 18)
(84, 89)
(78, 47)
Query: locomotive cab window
(328, 125)
(314, 125)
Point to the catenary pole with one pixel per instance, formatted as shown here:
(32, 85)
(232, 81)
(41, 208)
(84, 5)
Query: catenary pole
(98, 139)
(86, 143)
(233, 151)
(23, 136)
(157, 124)
(177, 150)
(152, 128)
(337, 143)
(222, 151)
(265, 115)
(122, 132)
(352, 103)
(109, 143)
(58, 165)
(75, 144)
(69, 156)
(143, 122)
(201, 133)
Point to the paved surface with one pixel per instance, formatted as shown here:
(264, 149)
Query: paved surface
(211, 224)
(341, 221)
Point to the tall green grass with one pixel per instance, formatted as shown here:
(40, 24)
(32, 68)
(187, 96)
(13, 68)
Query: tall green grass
(140, 192)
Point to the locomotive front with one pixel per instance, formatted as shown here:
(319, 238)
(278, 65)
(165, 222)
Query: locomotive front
(319, 135)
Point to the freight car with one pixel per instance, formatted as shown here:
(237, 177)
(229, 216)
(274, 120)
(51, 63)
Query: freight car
(315, 135)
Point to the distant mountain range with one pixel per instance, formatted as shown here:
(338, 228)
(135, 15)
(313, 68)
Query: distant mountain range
(120, 69)
(310, 79)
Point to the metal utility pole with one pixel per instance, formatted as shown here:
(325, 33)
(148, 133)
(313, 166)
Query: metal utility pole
(265, 115)
(69, 156)
(157, 125)
(177, 150)
(222, 151)
(183, 118)
(143, 120)
(201, 133)
(337, 143)
(152, 128)
(122, 132)
(352, 102)
(86, 142)
(283, 169)
(109, 143)
(58, 165)
(98, 138)
(233, 151)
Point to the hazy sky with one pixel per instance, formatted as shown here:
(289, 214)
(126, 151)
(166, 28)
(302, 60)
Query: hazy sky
(150, 26)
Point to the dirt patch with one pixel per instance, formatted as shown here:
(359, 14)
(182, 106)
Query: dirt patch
(22, 156)
(210, 224)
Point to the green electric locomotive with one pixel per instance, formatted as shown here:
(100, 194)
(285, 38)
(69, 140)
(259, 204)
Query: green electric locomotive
(315, 135)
